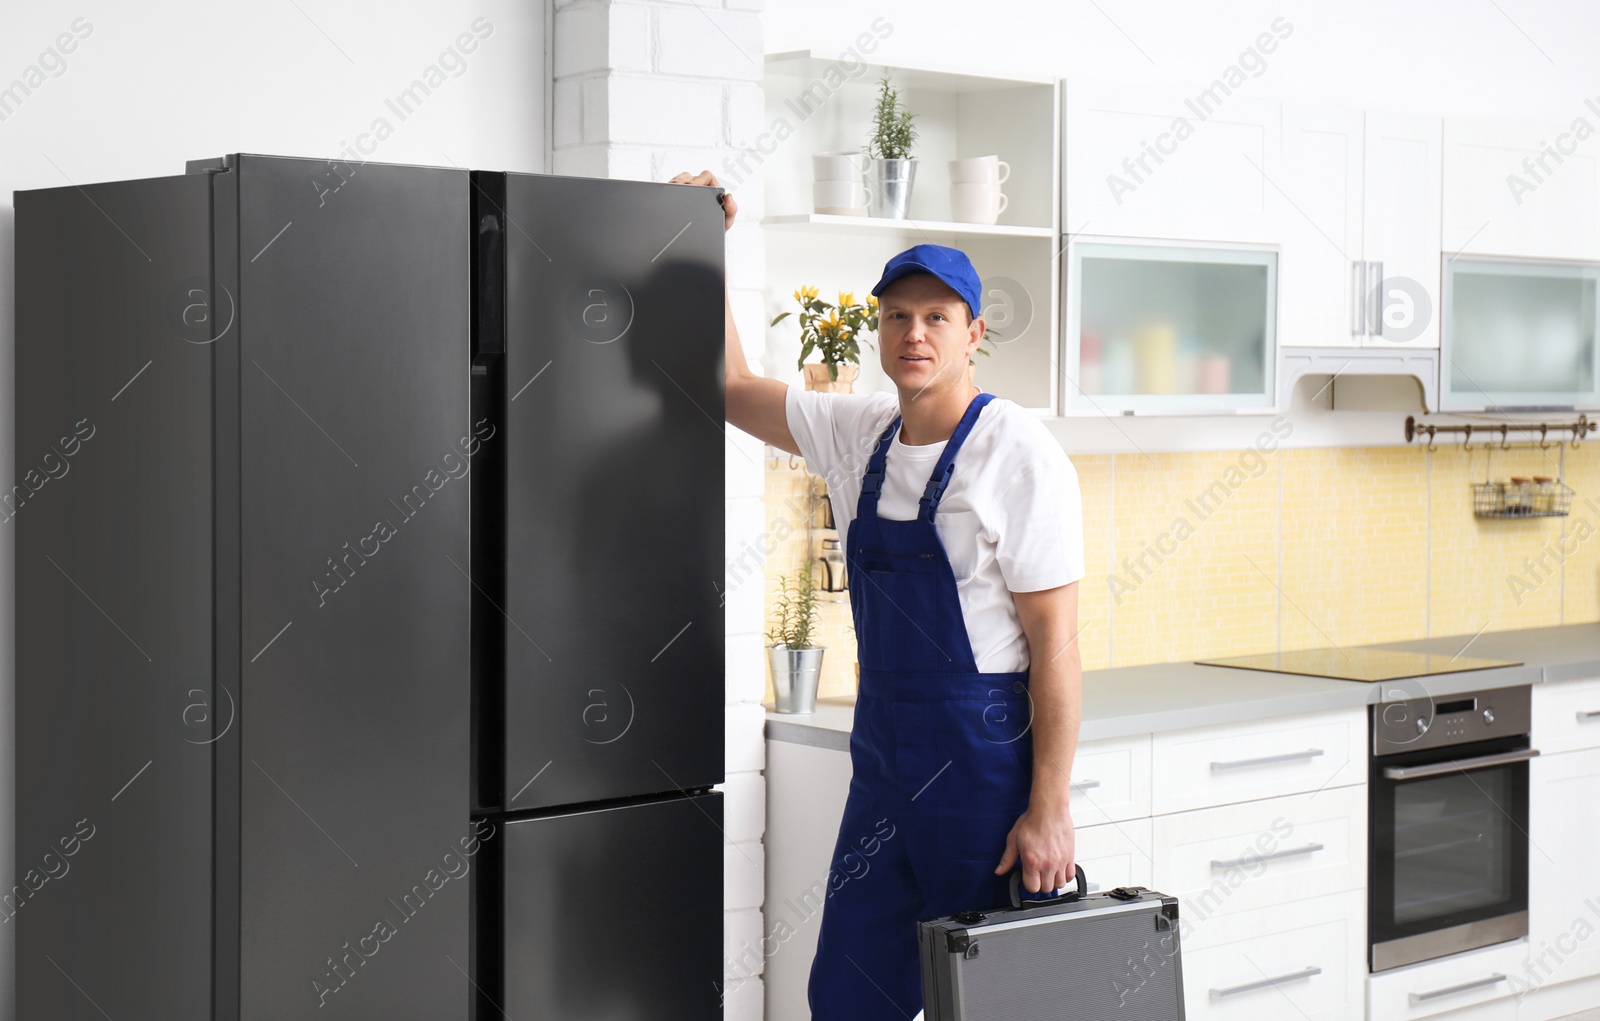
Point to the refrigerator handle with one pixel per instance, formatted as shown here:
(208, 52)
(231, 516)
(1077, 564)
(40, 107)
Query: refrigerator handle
(486, 561)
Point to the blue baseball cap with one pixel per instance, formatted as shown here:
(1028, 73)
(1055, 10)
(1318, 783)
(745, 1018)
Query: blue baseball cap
(948, 264)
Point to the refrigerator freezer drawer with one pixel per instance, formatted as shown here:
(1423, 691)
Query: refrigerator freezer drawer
(612, 914)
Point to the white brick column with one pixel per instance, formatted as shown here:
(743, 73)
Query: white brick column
(642, 91)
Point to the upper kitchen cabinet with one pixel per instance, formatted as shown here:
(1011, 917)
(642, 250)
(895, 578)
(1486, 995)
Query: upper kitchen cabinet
(1168, 327)
(1360, 235)
(1400, 229)
(1524, 188)
(1323, 178)
(1167, 162)
(1520, 334)
(817, 104)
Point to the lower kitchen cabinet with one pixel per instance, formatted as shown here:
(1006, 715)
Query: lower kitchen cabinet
(1476, 985)
(1566, 715)
(1111, 780)
(1307, 952)
(604, 914)
(1261, 853)
(1115, 854)
(1201, 766)
(1563, 880)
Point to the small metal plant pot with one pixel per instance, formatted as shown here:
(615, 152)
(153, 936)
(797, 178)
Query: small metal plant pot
(794, 677)
(891, 187)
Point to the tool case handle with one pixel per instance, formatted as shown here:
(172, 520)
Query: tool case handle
(1070, 895)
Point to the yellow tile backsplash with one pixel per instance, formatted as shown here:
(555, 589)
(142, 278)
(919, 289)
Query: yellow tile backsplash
(1215, 553)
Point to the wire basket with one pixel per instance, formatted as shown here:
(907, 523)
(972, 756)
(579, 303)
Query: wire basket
(1510, 500)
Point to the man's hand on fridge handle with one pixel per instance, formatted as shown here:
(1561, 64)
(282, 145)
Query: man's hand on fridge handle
(729, 206)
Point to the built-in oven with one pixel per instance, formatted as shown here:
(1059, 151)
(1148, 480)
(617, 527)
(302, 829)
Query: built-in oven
(1448, 817)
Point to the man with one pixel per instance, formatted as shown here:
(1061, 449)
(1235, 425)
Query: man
(963, 552)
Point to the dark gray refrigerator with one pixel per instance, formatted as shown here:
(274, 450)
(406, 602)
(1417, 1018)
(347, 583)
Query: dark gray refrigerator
(369, 616)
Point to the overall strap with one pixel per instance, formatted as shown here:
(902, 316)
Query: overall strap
(872, 481)
(940, 478)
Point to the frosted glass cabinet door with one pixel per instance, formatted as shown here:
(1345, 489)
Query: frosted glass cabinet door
(1168, 328)
(1519, 334)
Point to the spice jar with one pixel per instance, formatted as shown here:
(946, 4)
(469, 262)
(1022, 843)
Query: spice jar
(1519, 497)
(1544, 492)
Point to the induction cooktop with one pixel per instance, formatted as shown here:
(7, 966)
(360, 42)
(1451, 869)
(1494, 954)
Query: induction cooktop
(1359, 663)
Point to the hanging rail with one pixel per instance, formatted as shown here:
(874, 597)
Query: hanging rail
(1579, 429)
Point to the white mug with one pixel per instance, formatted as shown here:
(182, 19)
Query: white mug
(976, 203)
(847, 197)
(979, 170)
(838, 166)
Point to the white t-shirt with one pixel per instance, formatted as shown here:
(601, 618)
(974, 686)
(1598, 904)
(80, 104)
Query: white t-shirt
(1011, 519)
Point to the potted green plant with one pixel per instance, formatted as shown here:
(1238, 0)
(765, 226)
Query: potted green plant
(795, 657)
(834, 331)
(892, 166)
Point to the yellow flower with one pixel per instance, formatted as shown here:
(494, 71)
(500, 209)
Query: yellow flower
(846, 299)
(872, 301)
(805, 294)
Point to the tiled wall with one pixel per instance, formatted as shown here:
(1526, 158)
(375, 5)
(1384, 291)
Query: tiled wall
(1218, 553)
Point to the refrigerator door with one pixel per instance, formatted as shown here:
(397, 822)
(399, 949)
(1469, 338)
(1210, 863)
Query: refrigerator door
(613, 453)
(354, 754)
(613, 914)
(115, 706)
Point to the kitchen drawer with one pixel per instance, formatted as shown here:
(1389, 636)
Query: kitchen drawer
(1566, 715)
(1111, 780)
(1260, 853)
(1115, 854)
(1315, 949)
(1216, 765)
(1468, 979)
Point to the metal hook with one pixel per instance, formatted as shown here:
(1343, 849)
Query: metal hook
(1580, 430)
(1466, 442)
(1430, 438)
(1544, 427)
(1503, 431)
(792, 465)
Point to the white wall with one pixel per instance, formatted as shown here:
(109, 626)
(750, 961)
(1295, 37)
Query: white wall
(1510, 58)
(151, 84)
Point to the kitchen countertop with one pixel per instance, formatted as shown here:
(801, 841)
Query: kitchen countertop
(1563, 653)
(1172, 696)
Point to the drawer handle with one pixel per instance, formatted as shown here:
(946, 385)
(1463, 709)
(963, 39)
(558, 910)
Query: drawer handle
(1267, 760)
(1459, 765)
(1588, 714)
(1084, 785)
(1291, 852)
(1264, 983)
(1477, 983)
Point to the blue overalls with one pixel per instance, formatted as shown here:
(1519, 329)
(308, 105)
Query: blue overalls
(941, 757)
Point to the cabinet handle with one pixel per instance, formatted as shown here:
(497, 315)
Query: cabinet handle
(1267, 760)
(1477, 983)
(1084, 785)
(1375, 290)
(1358, 297)
(1588, 714)
(1290, 853)
(1217, 994)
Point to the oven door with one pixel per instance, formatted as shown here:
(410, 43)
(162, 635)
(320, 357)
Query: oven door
(1448, 867)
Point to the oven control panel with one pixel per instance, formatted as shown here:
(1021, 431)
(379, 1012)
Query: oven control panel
(1409, 719)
